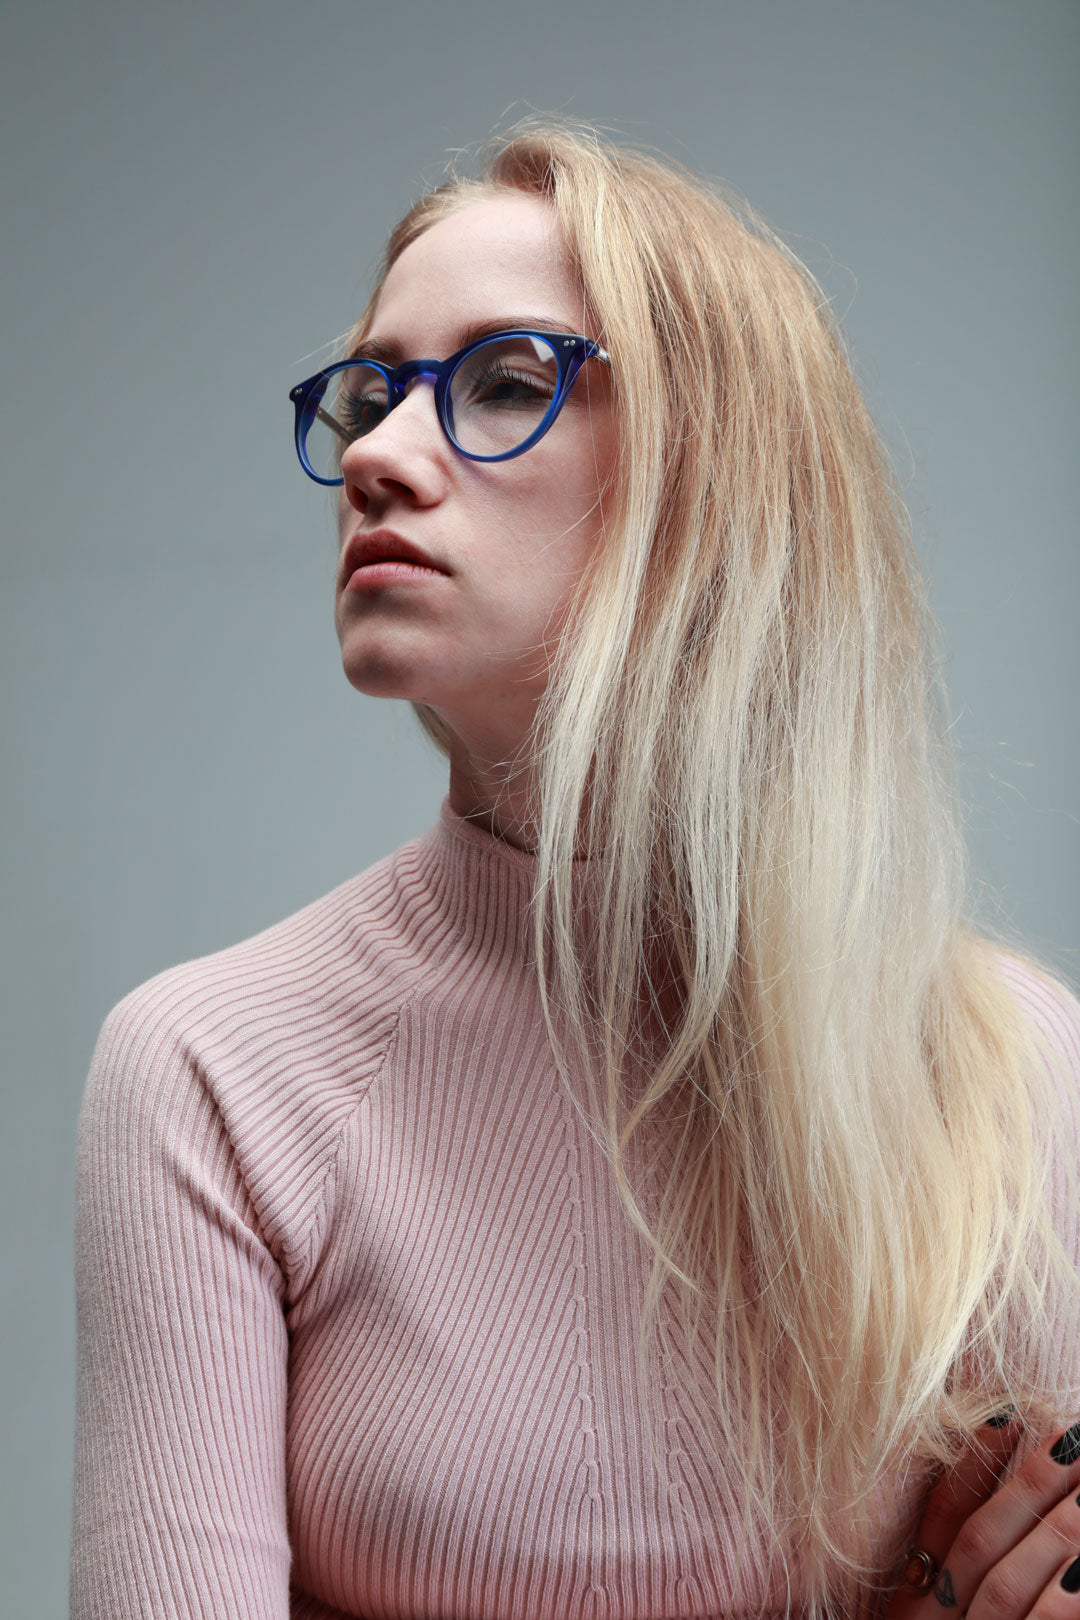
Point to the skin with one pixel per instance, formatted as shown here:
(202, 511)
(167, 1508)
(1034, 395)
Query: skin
(513, 537)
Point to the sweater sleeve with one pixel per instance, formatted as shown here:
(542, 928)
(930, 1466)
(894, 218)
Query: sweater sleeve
(180, 1502)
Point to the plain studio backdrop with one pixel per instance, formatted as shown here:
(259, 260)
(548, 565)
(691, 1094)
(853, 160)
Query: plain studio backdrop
(195, 200)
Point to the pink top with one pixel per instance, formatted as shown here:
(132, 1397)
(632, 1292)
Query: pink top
(357, 1300)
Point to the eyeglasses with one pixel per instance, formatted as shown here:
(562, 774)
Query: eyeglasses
(494, 398)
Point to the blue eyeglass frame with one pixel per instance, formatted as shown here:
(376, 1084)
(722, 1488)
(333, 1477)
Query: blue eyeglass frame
(571, 352)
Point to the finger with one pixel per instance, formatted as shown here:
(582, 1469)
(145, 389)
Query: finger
(963, 1488)
(1027, 1582)
(1070, 1575)
(1016, 1513)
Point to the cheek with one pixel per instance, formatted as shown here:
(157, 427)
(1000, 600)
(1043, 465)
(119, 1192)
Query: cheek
(577, 501)
(345, 513)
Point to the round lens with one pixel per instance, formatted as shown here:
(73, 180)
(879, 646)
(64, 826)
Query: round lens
(353, 402)
(501, 392)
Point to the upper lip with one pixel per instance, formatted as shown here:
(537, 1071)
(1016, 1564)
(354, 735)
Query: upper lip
(383, 545)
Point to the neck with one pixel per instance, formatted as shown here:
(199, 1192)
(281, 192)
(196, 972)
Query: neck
(495, 792)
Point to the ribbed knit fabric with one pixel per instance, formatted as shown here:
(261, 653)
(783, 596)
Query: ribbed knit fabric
(357, 1300)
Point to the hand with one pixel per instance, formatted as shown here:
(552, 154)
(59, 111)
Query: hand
(1002, 1552)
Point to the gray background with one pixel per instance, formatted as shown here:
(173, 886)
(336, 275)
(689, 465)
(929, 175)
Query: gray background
(194, 199)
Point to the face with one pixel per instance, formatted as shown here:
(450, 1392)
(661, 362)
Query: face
(502, 543)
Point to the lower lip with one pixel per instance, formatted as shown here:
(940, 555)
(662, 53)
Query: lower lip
(389, 573)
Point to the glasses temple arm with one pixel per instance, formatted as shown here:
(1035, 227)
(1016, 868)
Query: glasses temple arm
(334, 426)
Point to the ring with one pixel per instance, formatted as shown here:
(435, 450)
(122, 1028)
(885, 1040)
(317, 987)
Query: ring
(920, 1570)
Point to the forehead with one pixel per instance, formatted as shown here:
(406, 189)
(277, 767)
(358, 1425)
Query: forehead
(501, 257)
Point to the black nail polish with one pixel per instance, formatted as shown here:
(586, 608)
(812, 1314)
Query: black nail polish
(1066, 1450)
(998, 1420)
(1071, 1578)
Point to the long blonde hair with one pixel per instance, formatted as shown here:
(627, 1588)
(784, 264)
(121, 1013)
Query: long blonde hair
(743, 729)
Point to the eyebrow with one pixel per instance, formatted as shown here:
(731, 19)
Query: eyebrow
(391, 353)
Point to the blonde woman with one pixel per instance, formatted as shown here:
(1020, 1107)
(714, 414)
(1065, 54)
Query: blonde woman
(629, 1198)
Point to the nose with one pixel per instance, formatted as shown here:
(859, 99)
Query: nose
(405, 458)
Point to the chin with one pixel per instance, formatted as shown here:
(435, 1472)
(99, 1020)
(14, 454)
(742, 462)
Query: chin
(379, 679)
(380, 665)
(388, 672)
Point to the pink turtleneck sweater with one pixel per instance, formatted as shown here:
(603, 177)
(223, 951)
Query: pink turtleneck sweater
(357, 1300)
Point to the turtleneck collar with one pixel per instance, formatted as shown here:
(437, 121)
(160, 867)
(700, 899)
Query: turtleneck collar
(472, 891)
(471, 834)
(466, 896)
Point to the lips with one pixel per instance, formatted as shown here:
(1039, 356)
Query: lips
(383, 545)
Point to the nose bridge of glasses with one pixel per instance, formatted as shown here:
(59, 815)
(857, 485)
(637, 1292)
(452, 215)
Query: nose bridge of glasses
(402, 380)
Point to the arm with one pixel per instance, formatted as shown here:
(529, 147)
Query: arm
(180, 1503)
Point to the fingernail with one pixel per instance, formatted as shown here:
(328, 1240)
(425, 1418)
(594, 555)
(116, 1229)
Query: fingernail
(1071, 1578)
(998, 1420)
(1066, 1450)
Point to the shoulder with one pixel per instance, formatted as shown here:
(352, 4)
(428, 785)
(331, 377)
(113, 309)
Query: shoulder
(1050, 1019)
(345, 961)
(277, 1038)
(1052, 1012)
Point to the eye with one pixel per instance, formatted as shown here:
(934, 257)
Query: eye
(361, 413)
(357, 401)
(350, 404)
(502, 392)
(500, 385)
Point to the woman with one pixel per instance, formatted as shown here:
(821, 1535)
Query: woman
(623, 1200)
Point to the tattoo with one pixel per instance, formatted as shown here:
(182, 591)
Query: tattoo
(943, 1590)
